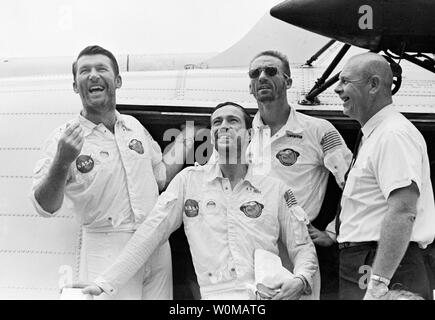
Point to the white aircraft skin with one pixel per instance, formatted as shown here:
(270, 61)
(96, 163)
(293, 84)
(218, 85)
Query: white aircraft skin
(39, 255)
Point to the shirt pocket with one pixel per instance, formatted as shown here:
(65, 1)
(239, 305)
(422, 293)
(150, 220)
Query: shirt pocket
(351, 183)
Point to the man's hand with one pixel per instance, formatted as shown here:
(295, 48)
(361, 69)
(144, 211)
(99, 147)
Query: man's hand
(372, 295)
(92, 289)
(376, 290)
(88, 288)
(320, 238)
(70, 144)
(291, 290)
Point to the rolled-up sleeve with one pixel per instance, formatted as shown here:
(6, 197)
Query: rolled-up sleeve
(398, 150)
(336, 154)
(294, 233)
(164, 218)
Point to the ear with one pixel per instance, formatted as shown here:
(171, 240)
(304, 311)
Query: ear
(75, 88)
(375, 84)
(118, 82)
(289, 82)
(251, 90)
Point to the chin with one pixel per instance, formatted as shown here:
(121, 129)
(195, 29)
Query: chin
(265, 98)
(346, 111)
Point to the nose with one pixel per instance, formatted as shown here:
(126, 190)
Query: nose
(262, 74)
(93, 75)
(225, 125)
(338, 89)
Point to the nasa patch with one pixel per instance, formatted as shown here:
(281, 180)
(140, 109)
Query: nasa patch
(191, 208)
(136, 145)
(252, 209)
(287, 157)
(84, 163)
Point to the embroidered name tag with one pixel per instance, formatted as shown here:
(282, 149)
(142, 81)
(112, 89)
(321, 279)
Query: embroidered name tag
(290, 134)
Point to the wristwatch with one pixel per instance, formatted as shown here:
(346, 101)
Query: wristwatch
(378, 286)
(380, 279)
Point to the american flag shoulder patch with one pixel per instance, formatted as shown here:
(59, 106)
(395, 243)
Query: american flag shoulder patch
(290, 198)
(331, 140)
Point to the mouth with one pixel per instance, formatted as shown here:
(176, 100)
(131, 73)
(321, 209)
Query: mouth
(345, 99)
(95, 89)
(224, 136)
(264, 87)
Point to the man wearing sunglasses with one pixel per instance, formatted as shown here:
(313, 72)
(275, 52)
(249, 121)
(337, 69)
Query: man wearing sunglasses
(296, 148)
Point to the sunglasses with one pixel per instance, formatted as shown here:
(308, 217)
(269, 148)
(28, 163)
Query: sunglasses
(270, 72)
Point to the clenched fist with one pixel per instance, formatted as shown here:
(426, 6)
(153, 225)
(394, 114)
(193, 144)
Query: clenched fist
(320, 238)
(70, 143)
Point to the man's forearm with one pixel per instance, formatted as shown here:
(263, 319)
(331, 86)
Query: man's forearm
(50, 192)
(394, 240)
(305, 262)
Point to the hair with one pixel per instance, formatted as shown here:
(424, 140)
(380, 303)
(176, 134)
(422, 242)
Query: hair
(246, 116)
(94, 50)
(276, 54)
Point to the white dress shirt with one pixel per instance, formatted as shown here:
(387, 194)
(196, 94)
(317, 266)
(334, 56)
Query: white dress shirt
(393, 154)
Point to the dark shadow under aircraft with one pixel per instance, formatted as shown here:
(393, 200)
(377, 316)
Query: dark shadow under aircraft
(400, 29)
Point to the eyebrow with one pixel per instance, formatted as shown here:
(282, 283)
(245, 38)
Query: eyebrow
(230, 116)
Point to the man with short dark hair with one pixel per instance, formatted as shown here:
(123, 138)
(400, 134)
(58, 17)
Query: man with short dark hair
(228, 213)
(108, 170)
(388, 213)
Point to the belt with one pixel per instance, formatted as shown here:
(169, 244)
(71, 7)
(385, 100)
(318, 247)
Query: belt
(345, 245)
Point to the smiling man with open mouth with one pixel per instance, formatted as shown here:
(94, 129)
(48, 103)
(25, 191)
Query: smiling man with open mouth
(110, 170)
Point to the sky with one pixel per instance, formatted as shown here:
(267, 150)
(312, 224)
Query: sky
(30, 28)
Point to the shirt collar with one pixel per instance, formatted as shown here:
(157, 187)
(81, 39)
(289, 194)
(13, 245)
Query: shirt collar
(291, 125)
(89, 126)
(213, 172)
(375, 120)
